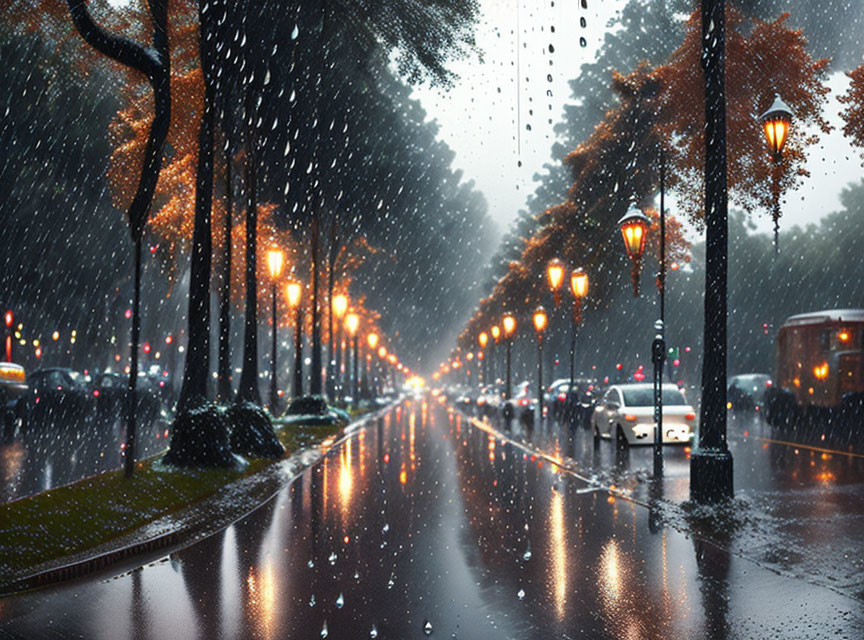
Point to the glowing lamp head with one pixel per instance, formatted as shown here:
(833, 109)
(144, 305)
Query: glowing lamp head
(483, 339)
(392, 359)
(293, 291)
(352, 323)
(634, 227)
(275, 260)
(496, 333)
(776, 123)
(555, 274)
(540, 319)
(372, 339)
(382, 352)
(340, 305)
(579, 283)
(9, 319)
(509, 324)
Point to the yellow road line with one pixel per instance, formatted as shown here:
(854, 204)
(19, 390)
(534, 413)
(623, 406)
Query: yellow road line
(798, 445)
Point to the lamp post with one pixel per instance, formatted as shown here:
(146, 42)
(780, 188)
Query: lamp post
(496, 336)
(352, 324)
(381, 366)
(293, 291)
(340, 306)
(275, 259)
(509, 324)
(579, 289)
(776, 123)
(540, 322)
(483, 340)
(711, 462)
(634, 226)
(372, 341)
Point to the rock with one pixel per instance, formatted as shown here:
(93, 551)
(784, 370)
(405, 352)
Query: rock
(201, 438)
(308, 405)
(252, 432)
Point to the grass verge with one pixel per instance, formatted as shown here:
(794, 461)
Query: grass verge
(82, 515)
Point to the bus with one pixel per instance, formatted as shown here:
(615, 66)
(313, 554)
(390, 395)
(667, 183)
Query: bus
(820, 368)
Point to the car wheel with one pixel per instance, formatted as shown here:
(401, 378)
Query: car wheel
(620, 438)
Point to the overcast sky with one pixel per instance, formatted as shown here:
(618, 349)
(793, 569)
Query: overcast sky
(485, 124)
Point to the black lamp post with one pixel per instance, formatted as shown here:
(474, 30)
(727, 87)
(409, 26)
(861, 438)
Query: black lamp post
(274, 263)
(496, 337)
(776, 123)
(483, 340)
(293, 291)
(509, 324)
(339, 305)
(541, 320)
(352, 324)
(579, 289)
(711, 462)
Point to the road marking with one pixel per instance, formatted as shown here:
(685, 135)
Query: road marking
(798, 445)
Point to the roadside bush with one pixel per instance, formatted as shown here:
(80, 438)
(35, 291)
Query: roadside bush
(200, 437)
(252, 432)
(308, 406)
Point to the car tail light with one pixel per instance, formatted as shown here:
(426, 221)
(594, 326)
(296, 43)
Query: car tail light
(562, 397)
(768, 383)
(95, 393)
(523, 402)
(629, 417)
(690, 416)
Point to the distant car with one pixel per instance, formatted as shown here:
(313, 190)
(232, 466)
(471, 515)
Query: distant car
(747, 392)
(489, 400)
(109, 391)
(573, 405)
(13, 388)
(56, 394)
(626, 413)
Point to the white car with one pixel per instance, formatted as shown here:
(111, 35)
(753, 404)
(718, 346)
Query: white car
(626, 413)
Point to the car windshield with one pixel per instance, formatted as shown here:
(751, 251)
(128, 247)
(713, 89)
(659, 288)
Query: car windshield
(644, 396)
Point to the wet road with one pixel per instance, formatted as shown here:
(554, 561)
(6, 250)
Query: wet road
(50, 455)
(423, 523)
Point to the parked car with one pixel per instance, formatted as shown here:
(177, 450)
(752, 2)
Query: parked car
(576, 404)
(746, 392)
(56, 394)
(13, 388)
(109, 391)
(489, 401)
(626, 413)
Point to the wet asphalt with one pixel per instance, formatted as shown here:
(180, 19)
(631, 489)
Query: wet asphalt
(426, 525)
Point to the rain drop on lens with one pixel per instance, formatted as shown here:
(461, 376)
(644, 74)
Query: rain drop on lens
(340, 601)
(427, 628)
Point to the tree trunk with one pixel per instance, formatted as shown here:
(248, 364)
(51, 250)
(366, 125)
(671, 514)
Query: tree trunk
(315, 377)
(248, 389)
(225, 391)
(196, 371)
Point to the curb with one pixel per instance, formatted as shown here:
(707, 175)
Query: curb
(198, 530)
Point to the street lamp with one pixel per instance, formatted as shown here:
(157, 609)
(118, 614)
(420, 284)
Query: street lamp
(352, 324)
(483, 340)
(293, 292)
(340, 306)
(555, 274)
(776, 122)
(372, 341)
(275, 259)
(579, 289)
(509, 324)
(496, 336)
(540, 322)
(634, 226)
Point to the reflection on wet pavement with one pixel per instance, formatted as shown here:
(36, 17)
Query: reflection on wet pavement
(422, 523)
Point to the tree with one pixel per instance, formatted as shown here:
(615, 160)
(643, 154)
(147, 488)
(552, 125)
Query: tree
(155, 65)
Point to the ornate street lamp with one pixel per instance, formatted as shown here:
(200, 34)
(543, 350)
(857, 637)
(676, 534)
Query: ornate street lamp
(496, 337)
(555, 275)
(579, 289)
(293, 292)
(776, 123)
(540, 322)
(339, 308)
(634, 228)
(372, 341)
(509, 324)
(275, 258)
(352, 324)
